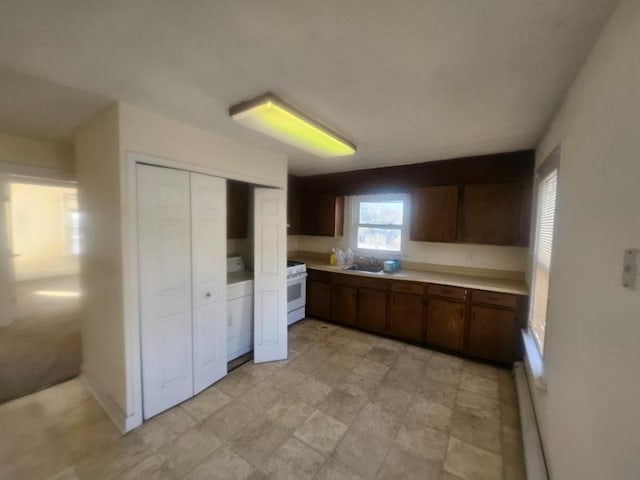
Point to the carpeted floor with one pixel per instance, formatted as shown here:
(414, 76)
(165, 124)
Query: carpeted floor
(42, 346)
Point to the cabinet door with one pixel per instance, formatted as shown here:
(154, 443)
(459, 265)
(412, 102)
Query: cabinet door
(492, 213)
(164, 245)
(237, 209)
(492, 333)
(445, 324)
(372, 309)
(322, 214)
(318, 299)
(344, 304)
(406, 312)
(294, 207)
(434, 214)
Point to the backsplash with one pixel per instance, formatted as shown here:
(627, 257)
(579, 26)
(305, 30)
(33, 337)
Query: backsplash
(459, 255)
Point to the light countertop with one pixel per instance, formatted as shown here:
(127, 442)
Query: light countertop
(502, 285)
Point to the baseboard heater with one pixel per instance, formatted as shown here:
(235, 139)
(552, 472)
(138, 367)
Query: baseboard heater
(533, 454)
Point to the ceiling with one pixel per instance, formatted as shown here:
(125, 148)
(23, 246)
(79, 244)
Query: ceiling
(406, 81)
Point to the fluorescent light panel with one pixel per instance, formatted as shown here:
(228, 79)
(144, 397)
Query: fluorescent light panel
(273, 117)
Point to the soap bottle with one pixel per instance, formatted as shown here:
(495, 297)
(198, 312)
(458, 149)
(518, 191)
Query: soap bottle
(332, 257)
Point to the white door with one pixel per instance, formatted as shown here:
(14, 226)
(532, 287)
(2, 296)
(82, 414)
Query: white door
(164, 236)
(209, 254)
(270, 275)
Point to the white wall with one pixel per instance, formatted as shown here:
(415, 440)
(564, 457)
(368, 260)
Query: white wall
(589, 415)
(153, 134)
(107, 188)
(39, 153)
(102, 311)
(459, 255)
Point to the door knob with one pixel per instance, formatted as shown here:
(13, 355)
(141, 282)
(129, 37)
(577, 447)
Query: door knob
(208, 294)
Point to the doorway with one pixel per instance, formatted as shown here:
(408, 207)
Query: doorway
(39, 284)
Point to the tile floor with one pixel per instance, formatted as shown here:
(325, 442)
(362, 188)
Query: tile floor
(345, 405)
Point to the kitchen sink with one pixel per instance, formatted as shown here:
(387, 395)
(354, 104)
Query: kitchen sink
(364, 268)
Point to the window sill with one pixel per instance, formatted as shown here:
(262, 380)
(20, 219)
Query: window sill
(533, 361)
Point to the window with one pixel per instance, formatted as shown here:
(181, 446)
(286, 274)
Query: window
(72, 224)
(543, 247)
(379, 223)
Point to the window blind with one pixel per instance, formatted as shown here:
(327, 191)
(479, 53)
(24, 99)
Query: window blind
(545, 221)
(546, 218)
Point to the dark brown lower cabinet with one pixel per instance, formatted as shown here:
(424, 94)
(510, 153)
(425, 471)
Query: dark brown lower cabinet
(492, 333)
(445, 324)
(372, 309)
(406, 313)
(344, 304)
(318, 299)
(479, 323)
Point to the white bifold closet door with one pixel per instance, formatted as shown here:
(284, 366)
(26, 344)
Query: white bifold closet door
(182, 250)
(209, 254)
(270, 275)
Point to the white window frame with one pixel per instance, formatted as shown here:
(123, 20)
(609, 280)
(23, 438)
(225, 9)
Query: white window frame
(534, 352)
(404, 228)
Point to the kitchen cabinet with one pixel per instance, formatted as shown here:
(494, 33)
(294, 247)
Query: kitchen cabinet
(406, 310)
(434, 214)
(492, 214)
(477, 323)
(323, 214)
(294, 206)
(445, 324)
(237, 209)
(492, 333)
(318, 294)
(344, 300)
(372, 309)
(493, 329)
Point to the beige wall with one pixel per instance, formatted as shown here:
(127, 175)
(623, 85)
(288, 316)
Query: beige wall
(39, 153)
(589, 415)
(153, 134)
(476, 256)
(102, 312)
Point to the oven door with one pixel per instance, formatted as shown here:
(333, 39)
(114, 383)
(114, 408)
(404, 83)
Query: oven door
(296, 292)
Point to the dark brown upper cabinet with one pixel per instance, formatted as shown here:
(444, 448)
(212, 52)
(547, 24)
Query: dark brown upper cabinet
(434, 214)
(322, 214)
(491, 214)
(294, 206)
(238, 194)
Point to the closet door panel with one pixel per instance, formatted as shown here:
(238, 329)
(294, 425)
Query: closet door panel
(209, 244)
(270, 275)
(164, 236)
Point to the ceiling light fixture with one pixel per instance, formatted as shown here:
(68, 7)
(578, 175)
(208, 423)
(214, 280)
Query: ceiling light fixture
(275, 118)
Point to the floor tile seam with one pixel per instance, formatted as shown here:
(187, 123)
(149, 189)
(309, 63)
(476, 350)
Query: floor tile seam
(252, 462)
(482, 395)
(479, 448)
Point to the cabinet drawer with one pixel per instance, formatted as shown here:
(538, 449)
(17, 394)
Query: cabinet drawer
(407, 287)
(493, 298)
(447, 291)
(345, 279)
(319, 276)
(372, 283)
